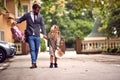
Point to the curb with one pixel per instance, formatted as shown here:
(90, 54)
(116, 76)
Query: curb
(4, 66)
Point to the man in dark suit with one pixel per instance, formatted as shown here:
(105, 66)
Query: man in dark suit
(34, 22)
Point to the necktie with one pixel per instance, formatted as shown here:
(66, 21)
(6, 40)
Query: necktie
(35, 18)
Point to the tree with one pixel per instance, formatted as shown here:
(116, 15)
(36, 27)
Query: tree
(103, 9)
(113, 28)
(2, 5)
(19, 6)
(71, 24)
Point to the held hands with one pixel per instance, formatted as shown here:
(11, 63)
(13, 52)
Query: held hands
(15, 23)
(44, 36)
(58, 48)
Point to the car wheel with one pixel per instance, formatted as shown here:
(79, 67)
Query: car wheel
(2, 56)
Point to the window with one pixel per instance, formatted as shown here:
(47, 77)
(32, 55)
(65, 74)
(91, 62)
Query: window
(2, 35)
(25, 9)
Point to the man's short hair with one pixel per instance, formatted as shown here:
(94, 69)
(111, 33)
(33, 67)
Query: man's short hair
(35, 6)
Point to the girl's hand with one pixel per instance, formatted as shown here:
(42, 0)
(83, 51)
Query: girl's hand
(44, 36)
(58, 48)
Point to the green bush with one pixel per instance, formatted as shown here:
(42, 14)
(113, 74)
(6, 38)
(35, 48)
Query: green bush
(112, 50)
(2, 6)
(118, 51)
(42, 45)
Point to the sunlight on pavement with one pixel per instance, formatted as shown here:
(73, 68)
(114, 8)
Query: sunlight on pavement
(1, 68)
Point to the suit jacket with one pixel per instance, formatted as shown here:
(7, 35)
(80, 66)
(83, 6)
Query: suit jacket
(31, 26)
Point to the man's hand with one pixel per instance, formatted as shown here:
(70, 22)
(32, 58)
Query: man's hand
(14, 23)
(44, 36)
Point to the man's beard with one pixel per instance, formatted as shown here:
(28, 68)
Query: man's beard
(35, 13)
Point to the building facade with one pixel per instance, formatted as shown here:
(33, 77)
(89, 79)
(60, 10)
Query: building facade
(11, 13)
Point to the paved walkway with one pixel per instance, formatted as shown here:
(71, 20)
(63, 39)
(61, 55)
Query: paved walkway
(71, 67)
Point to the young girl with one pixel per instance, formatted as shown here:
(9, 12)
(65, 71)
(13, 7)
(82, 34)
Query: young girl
(54, 41)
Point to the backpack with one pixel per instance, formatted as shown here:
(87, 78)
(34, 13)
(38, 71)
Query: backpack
(16, 33)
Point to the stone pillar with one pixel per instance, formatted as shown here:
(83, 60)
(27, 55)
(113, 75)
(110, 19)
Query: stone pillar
(25, 48)
(78, 45)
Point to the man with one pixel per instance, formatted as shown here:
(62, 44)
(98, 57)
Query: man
(34, 22)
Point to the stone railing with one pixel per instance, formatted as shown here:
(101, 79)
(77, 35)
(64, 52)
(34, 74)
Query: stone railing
(22, 48)
(97, 45)
(18, 48)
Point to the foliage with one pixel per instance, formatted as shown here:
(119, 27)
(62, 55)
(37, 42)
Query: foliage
(19, 5)
(76, 17)
(102, 9)
(2, 6)
(16, 1)
(113, 28)
(113, 51)
(71, 24)
(42, 45)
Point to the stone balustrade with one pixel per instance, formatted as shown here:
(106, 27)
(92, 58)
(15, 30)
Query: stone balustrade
(18, 48)
(98, 45)
(22, 48)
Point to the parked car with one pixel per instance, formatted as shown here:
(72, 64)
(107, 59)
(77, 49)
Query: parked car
(7, 50)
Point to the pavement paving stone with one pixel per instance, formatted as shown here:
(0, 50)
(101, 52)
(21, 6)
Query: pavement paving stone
(71, 67)
(4, 65)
